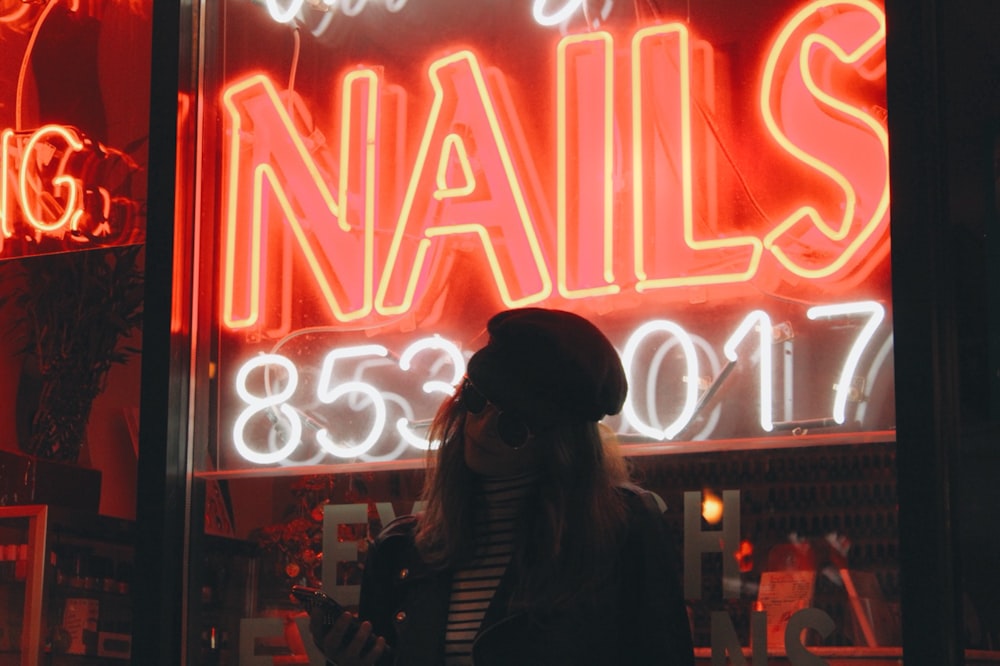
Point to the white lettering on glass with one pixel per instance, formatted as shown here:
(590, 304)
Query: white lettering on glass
(288, 11)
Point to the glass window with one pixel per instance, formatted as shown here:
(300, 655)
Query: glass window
(708, 184)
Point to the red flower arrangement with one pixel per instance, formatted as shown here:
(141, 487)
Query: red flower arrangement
(295, 546)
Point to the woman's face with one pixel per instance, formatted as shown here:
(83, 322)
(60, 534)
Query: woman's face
(487, 454)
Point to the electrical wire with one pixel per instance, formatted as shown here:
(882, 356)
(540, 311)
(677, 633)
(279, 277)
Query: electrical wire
(23, 72)
(293, 70)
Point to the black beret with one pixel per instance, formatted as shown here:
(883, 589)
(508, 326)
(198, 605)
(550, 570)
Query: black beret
(549, 366)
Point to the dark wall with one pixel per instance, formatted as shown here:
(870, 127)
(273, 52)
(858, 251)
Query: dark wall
(970, 59)
(944, 119)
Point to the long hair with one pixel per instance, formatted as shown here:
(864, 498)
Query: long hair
(569, 535)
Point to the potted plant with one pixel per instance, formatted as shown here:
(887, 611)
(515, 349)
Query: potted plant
(76, 311)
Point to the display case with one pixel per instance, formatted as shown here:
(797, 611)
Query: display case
(65, 594)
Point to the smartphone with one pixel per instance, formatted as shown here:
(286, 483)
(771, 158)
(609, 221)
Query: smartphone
(313, 598)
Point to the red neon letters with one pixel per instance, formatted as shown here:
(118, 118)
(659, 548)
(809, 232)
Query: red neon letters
(47, 204)
(472, 180)
(60, 192)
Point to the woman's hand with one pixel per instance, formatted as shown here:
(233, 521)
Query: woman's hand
(331, 640)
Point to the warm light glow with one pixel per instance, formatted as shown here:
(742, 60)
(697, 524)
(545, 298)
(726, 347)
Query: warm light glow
(744, 557)
(689, 380)
(711, 507)
(661, 134)
(818, 129)
(758, 321)
(875, 313)
(15, 15)
(496, 211)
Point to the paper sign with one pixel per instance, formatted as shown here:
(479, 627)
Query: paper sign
(782, 594)
(80, 622)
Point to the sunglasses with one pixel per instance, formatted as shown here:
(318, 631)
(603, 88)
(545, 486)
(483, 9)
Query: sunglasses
(513, 431)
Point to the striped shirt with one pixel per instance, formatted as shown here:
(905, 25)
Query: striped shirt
(473, 586)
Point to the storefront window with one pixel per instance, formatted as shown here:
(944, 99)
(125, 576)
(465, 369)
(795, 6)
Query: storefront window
(74, 159)
(709, 185)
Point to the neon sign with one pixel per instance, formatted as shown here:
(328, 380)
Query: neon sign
(558, 14)
(270, 388)
(291, 9)
(552, 14)
(59, 191)
(364, 232)
(473, 180)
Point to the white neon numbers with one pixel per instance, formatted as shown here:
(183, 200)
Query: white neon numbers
(387, 414)
(267, 384)
(263, 405)
(328, 392)
(690, 378)
(875, 313)
(453, 355)
(758, 321)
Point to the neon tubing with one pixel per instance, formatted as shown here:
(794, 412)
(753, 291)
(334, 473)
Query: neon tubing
(585, 66)
(741, 254)
(257, 405)
(875, 313)
(461, 97)
(74, 194)
(759, 321)
(846, 237)
(690, 379)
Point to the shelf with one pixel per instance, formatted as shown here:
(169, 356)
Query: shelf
(62, 545)
(844, 656)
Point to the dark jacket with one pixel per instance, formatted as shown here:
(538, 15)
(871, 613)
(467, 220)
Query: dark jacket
(645, 621)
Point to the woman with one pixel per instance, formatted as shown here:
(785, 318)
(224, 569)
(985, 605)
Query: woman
(533, 548)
